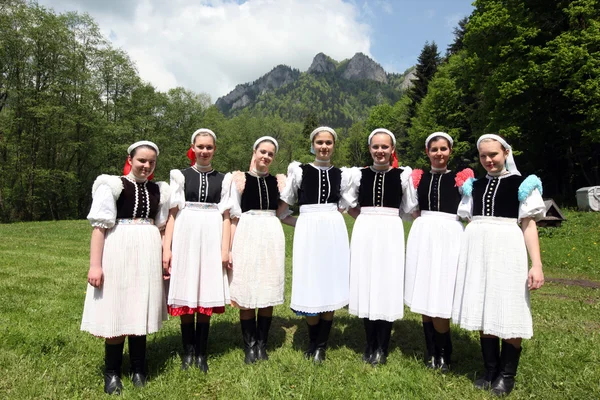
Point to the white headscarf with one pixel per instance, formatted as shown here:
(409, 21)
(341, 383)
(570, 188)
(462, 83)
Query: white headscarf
(203, 130)
(382, 130)
(142, 143)
(266, 138)
(321, 129)
(442, 134)
(510, 164)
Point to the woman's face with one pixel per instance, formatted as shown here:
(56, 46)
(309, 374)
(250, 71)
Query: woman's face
(381, 148)
(439, 152)
(492, 156)
(323, 143)
(263, 155)
(204, 148)
(143, 162)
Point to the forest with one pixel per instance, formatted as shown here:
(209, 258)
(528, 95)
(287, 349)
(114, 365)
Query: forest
(71, 103)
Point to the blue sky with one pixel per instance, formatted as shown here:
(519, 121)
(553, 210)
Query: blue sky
(211, 46)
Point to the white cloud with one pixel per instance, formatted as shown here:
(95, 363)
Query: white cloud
(212, 45)
(386, 6)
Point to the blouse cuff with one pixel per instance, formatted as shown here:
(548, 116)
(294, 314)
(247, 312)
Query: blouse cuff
(177, 181)
(349, 187)
(225, 203)
(235, 199)
(533, 206)
(103, 212)
(410, 202)
(163, 207)
(292, 184)
(465, 207)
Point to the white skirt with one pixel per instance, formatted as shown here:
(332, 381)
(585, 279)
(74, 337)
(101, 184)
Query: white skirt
(197, 275)
(258, 274)
(321, 260)
(131, 301)
(491, 292)
(432, 253)
(377, 265)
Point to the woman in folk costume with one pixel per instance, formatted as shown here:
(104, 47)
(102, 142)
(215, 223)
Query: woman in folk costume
(321, 261)
(196, 246)
(376, 197)
(258, 248)
(125, 294)
(432, 248)
(493, 282)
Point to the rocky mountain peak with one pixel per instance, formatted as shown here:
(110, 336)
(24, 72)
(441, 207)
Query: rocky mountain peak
(322, 64)
(362, 67)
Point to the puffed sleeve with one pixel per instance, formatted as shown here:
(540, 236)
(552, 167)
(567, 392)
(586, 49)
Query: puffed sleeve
(349, 187)
(292, 183)
(531, 203)
(225, 203)
(281, 182)
(465, 207)
(238, 182)
(410, 201)
(177, 183)
(105, 192)
(164, 205)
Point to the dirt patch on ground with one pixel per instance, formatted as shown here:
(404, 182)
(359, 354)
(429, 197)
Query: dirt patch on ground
(575, 282)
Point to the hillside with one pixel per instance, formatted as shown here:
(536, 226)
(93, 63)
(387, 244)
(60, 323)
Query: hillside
(337, 93)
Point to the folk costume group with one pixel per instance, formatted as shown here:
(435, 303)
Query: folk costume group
(217, 238)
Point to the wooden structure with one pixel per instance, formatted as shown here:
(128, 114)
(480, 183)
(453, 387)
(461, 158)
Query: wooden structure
(554, 217)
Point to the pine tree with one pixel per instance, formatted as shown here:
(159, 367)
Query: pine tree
(428, 63)
(459, 36)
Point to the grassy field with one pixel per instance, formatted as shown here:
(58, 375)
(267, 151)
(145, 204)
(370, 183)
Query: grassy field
(43, 268)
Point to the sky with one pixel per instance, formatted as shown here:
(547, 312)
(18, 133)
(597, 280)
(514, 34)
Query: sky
(211, 46)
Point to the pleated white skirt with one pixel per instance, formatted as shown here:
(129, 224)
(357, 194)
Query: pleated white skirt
(432, 253)
(258, 275)
(377, 265)
(131, 301)
(321, 260)
(491, 292)
(197, 275)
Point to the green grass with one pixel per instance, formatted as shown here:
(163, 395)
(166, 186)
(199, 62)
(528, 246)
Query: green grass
(43, 354)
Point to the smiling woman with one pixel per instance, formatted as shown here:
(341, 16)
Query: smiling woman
(125, 292)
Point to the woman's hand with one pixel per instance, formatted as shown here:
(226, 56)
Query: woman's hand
(535, 280)
(95, 276)
(225, 258)
(230, 260)
(166, 263)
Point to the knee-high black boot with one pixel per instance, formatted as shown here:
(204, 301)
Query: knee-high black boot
(313, 333)
(113, 358)
(428, 330)
(249, 335)
(322, 338)
(443, 350)
(187, 338)
(509, 361)
(371, 338)
(263, 324)
(201, 345)
(490, 349)
(384, 332)
(137, 358)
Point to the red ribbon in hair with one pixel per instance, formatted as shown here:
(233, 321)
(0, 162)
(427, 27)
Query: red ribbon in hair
(394, 160)
(127, 170)
(192, 156)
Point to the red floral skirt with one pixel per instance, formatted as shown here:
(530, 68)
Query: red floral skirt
(179, 311)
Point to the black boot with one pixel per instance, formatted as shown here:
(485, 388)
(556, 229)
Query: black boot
(137, 360)
(443, 350)
(490, 349)
(249, 335)
(383, 330)
(313, 333)
(202, 329)
(509, 361)
(371, 338)
(428, 330)
(322, 338)
(263, 324)
(187, 338)
(113, 358)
